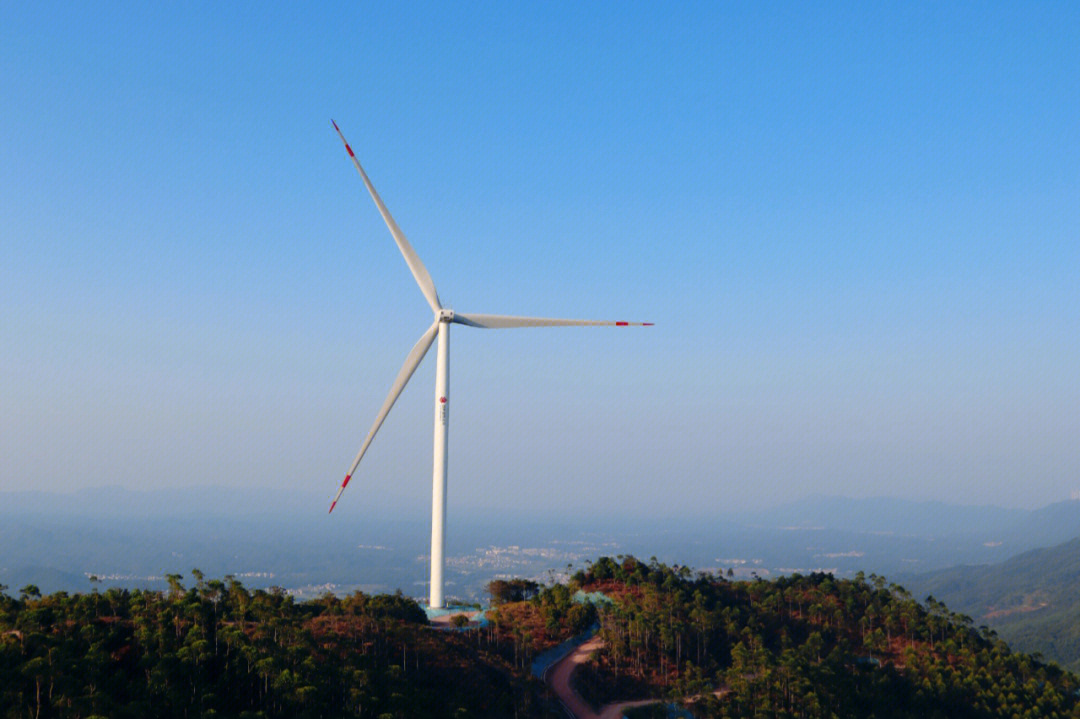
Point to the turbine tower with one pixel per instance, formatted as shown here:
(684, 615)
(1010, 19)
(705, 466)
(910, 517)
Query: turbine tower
(440, 328)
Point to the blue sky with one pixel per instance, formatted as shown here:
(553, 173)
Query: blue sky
(855, 227)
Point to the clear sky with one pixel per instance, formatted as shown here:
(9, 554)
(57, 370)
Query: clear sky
(855, 226)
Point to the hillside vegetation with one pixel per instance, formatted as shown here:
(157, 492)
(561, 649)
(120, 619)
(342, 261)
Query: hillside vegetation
(800, 646)
(805, 646)
(1030, 599)
(218, 650)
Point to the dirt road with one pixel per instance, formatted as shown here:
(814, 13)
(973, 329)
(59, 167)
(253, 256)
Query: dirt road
(558, 678)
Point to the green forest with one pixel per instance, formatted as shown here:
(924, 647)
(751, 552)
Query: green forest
(217, 649)
(1030, 599)
(806, 646)
(796, 646)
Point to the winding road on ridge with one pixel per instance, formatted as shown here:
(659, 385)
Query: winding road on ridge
(558, 678)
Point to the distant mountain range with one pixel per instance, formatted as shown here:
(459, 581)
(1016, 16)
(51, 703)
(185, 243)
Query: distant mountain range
(284, 538)
(1051, 524)
(1015, 529)
(202, 501)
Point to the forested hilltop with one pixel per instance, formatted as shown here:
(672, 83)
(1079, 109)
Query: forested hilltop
(1031, 599)
(805, 646)
(219, 650)
(799, 646)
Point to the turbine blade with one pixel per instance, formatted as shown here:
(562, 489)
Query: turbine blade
(411, 258)
(407, 369)
(507, 321)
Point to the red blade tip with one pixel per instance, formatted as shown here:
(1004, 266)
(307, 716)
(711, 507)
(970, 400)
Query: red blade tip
(332, 505)
(335, 125)
(647, 324)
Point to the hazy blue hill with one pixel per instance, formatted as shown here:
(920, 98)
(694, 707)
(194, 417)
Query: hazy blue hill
(285, 538)
(1006, 531)
(46, 579)
(891, 515)
(1051, 524)
(202, 501)
(1032, 600)
(133, 537)
(264, 550)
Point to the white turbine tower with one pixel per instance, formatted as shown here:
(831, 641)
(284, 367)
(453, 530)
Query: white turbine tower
(441, 328)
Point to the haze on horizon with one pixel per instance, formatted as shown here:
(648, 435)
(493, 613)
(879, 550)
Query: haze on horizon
(855, 229)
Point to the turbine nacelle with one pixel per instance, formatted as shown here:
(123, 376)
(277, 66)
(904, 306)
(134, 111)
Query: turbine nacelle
(444, 315)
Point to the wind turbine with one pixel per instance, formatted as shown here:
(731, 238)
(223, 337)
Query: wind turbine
(440, 328)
